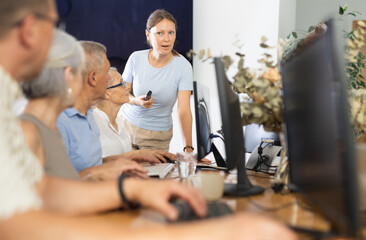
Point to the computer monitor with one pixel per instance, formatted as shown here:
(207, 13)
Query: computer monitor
(233, 135)
(320, 151)
(205, 144)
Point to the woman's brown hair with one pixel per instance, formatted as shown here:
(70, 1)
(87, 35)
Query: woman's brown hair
(157, 16)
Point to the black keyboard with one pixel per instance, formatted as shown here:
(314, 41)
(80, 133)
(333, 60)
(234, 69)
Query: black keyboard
(214, 209)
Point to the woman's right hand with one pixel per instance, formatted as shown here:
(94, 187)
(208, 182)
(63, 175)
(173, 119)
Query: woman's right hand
(141, 101)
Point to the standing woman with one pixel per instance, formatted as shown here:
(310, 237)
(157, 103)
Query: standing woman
(169, 76)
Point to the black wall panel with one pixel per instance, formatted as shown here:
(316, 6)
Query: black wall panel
(120, 24)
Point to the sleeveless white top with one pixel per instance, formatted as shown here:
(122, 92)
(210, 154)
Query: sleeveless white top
(20, 170)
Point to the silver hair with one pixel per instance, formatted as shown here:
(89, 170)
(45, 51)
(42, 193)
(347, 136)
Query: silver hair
(65, 51)
(111, 80)
(113, 69)
(94, 52)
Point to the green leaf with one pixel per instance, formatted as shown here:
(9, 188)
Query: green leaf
(351, 14)
(341, 10)
(353, 85)
(360, 76)
(311, 28)
(294, 34)
(360, 55)
(345, 7)
(350, 34)
(288, 36)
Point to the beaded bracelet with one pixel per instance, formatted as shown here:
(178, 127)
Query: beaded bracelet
(129, 205)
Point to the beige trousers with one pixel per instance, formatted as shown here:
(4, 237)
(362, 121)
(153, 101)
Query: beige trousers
(147, 139)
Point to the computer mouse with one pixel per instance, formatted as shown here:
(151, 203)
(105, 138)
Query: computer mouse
(186, 213)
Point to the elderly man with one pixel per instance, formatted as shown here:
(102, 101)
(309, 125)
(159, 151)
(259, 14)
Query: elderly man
(78, 127)
(30, 201)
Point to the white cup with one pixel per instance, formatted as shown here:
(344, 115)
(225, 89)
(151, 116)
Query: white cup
(212, 184)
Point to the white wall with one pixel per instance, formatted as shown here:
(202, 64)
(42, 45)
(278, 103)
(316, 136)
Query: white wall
(311, 12)
(287, 17)
(216, 23)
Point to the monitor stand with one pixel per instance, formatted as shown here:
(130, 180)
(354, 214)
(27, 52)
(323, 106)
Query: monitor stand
(220, 162)
(243, 187)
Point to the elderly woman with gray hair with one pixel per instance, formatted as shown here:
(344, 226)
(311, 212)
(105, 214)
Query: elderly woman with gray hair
(55, 89)
(114, 137)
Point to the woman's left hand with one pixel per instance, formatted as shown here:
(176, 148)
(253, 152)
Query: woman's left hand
(146, 104)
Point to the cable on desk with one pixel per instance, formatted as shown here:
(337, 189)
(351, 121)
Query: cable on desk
(262, 159)
(270, 209)
(212, 136)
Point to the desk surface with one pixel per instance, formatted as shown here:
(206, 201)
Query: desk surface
(288, 208)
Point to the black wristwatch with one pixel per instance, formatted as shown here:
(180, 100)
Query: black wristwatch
(129, 205)
(184, 149)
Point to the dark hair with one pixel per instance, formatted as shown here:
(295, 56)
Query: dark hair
(156, 17)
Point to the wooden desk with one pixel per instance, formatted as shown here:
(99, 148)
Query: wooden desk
(288, 208)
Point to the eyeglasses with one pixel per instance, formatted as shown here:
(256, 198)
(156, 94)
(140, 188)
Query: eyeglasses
(40, 16)
(47, 18)
(123, 84)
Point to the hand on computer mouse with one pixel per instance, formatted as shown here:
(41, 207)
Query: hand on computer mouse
(157, 195)
(167, 160)
(165, 157)
(214, 210)
(151, 156)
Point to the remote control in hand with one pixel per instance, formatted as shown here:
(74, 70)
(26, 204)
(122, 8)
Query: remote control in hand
(148, 96)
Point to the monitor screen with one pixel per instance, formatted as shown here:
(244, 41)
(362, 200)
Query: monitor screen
(203, 123)
(322, 166)
(233, 135)
(205, 143)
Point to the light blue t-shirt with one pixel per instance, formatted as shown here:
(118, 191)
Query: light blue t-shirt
(164, 83)
(81, 137)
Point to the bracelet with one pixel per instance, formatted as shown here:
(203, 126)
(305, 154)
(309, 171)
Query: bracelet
(129, 205)
(184, 149)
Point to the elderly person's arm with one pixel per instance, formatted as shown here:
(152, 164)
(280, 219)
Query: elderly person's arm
(110, 170)
(76, 197)
(80, 198)
(151, 156)
(43, 225)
